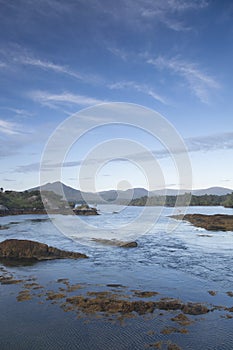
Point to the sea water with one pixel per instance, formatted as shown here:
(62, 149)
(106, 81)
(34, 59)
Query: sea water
(183, 262)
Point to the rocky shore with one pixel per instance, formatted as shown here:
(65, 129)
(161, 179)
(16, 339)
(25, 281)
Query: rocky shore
(9, 212)
(218, 222)
(85, 210)
(31, 250)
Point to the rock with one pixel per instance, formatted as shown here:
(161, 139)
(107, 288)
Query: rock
(182, 320)
(173, 346)
(25, 249)
(144, 294)
(217, 222)
(129, 245)
(116, 243)
(111, 303)
(85, 210)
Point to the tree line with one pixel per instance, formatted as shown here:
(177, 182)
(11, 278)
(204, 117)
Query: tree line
(185, 199)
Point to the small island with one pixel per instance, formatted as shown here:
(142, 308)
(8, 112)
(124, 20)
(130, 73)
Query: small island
(84, 209)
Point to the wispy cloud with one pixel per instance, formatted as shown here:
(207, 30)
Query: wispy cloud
(123, 54)
(28, 168)
(169, 12)
(50, 66)
(8, 128)
(15, 56)
(17, 112)
(43, 7)
(35, 167)
(140, 14)
(55, 100)
(140, 88)
(199, 83)
(8, 180)
(221, 141)
(209, 143)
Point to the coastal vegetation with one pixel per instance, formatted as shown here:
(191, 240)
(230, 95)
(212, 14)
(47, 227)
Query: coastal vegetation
(21, 200)
(13, 201)
(185, 199)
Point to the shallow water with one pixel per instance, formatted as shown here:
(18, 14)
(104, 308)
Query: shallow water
(182, 263)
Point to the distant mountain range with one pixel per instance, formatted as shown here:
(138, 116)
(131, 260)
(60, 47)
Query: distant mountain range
(115, 196)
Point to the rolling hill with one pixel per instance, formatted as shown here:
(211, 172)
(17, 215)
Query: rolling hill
(115, 196)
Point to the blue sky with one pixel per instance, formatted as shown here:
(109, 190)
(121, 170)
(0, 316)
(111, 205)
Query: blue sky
(58, 57)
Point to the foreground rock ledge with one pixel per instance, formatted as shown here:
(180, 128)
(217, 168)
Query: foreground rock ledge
(218, 222)
(25, 249)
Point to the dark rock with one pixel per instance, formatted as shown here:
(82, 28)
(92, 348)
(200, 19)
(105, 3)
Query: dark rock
(25, 249)
(129, 245)
(195, 309)
(85, 210)
(218, 222)
(115, 285)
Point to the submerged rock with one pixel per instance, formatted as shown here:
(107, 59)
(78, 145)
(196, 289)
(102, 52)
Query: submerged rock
(111, 303)
(26, 249)
(115, 243)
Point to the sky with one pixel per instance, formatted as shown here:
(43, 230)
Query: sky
(173, 57)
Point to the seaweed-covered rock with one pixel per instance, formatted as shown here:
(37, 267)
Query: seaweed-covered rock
(217, 222)
(26, 249)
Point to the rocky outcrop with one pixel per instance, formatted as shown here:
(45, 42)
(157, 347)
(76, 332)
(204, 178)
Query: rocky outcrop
(85, 210)
(116, 243)
(218, 222)
(31, 250)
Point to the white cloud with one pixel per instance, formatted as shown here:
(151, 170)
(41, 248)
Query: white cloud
(15, 56)
(119, 53)
(54, 100)
(138, 87)
(8, 128)
(221, 141)
(208, 143)
(46, 65)
(19, 113)
(137, 13)
(199, 83)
